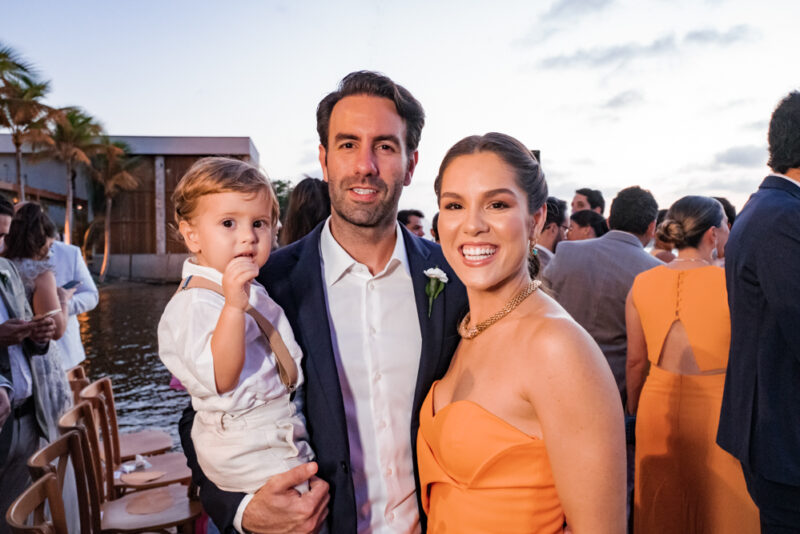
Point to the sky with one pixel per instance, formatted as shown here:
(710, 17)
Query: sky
(671, 95)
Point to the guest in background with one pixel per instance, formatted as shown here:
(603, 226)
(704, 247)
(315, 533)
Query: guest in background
(6, 213)
(69, 266)
(760, 420)
(435, 228)
(586, 224)
(554, 231)
(309, 205)
(662, 249)
(679, 326)
(412, 219)
(730, 210)
(588, 199)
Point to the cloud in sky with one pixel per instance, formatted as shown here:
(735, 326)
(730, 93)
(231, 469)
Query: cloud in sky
(742, 156)
(667, 44)
(571, 9)
(624, 99)
(557, 18)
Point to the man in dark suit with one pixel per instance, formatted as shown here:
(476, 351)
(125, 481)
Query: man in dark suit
(19, 339)
(354, 291)
(760, 419)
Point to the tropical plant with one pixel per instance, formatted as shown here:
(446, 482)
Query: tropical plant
(111, 166)
(12, 64)
(74, 136)
(22, 110)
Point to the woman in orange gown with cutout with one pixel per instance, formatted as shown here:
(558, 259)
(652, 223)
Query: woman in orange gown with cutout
(525, 428)
(678, 323)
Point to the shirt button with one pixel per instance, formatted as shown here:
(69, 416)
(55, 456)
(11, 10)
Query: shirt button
(389, 472)
(372, 330)
(377, 376)
(382, 424)
(343, 466)
(371, 285)
(390, 517)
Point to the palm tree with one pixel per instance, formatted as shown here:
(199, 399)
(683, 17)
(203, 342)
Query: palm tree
(23, 112)
(111, 167)
(74, 138)
(12, 64)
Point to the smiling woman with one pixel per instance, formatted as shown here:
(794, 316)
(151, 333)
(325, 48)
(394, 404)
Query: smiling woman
(553, 432)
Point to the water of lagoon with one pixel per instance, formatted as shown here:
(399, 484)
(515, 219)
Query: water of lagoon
(121, 341)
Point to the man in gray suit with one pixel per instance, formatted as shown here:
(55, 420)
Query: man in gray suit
(591, 278)
(20, 337)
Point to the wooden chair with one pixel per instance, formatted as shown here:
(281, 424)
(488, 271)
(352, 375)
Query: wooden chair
(104, 515)
(92, 416)
(127, 445)
(32, 502)
(75, 373)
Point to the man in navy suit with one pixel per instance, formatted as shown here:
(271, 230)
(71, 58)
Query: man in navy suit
(760, 419)
(354, 291)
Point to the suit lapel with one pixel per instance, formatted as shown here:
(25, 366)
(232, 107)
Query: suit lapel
(312, 317)
(431, 327)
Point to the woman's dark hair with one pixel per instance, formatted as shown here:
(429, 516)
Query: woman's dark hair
(784, 134)
(527, 171)
(309, 204)
(730, 210)
(30, 228)
(370, 83)
(688, 219)
(590, 218)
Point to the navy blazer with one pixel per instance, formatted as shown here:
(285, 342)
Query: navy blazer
(760, 419)
(293, 277)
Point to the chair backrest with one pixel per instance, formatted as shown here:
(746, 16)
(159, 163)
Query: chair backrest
(75, 373)
(77, 385)
(101, 395)
(52, 460)
(81, 417)
(32, 502)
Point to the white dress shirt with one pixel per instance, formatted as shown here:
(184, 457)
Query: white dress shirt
(377, 341)
(69, 265)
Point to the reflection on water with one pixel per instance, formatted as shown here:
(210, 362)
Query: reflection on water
(121, 342)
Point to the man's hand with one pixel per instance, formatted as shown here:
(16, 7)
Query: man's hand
(5, 406)
(236, 281)
(277, 508)
(42, 330)
(13, 331)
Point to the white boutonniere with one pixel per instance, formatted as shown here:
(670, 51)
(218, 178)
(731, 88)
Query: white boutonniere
(436, 281)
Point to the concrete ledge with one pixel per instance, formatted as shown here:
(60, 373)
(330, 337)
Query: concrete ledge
(148, 267)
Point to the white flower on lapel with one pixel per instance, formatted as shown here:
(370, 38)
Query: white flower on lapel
(436, 281)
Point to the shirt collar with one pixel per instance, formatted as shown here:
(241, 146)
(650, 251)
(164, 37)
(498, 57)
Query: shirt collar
(190, 268)
(544, 251)
(795, 182)
(337, 262)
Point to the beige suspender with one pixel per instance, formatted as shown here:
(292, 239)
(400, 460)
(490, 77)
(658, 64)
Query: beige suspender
(287, 369)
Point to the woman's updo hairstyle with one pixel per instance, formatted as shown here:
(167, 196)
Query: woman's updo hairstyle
(527, 170)
(688, 219)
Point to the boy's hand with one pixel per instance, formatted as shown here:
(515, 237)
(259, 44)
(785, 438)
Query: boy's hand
(236, 282)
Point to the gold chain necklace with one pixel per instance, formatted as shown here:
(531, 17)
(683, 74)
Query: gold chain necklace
(469, 333)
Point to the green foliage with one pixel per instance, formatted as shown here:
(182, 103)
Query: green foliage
(283, 188)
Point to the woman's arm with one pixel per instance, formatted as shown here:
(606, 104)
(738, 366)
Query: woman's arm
(46, 298)
(578, 405)
(636, 365)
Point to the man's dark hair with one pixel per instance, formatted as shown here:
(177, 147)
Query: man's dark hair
(404, 215)
(591, 218)
(784, 134)
(633, 210)
(556, 212)
(370, 83)
(6, 207)
(727, 207)
(594, 196)
(435, 227)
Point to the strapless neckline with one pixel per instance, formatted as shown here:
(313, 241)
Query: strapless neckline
(479, 473)
(435, 413)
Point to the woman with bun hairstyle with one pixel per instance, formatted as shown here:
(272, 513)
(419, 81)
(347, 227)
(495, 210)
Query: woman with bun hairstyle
(679, 326)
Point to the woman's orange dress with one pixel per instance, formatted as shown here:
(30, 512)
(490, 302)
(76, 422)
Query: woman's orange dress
(684, 481)
(479, 474)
